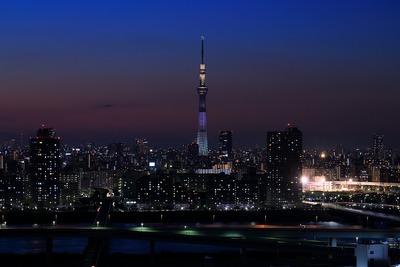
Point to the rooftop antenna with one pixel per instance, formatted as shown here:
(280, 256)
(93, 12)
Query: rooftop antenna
(202, 49)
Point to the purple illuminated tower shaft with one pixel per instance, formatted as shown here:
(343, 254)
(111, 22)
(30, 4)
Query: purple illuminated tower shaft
(202, 90)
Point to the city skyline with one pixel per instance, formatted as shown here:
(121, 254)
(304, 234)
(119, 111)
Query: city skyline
(104, 72)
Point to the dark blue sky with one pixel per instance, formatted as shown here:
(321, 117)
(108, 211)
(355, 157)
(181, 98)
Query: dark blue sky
(109, 71)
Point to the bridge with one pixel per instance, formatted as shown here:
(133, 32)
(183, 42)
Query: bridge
(97, 244)
(300, 238)
(345, 207)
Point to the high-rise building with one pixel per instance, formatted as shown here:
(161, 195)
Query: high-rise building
(221, 191)
(378, 149)
(12, 176)
(193, 150)
(284, 167)
(202, 90)
(141, 146)
(45, 168)
(70, 185)
(154, 192)
(225, 144)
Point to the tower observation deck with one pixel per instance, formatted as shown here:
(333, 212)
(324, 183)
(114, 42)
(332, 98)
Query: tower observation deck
(202, 90)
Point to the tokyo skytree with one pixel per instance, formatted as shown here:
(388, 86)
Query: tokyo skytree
(202, 90)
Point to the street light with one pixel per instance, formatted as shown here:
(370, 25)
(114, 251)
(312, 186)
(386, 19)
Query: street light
(187, 230)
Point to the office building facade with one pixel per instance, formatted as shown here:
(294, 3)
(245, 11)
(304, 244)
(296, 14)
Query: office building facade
(225, 144)
(45, 168)
(284, 167)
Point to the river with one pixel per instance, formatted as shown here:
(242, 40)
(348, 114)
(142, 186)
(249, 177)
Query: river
(75, 245)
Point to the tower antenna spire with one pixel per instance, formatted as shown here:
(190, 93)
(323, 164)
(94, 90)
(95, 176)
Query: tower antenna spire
(202, 49)
(202, 65)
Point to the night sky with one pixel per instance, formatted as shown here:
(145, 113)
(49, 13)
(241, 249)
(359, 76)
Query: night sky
(111, 71)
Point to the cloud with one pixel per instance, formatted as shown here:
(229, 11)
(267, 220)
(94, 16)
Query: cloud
(105, 106)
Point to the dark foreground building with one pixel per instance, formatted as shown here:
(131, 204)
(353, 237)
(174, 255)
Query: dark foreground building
(45, 168)
(284, 168)
(225, 144)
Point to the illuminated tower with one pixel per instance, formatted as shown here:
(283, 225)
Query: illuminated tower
(202, 90)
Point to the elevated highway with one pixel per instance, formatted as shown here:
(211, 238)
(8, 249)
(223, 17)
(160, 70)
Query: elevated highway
(339, 206)
(212, 235)
(97, 244)
(299, 238)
